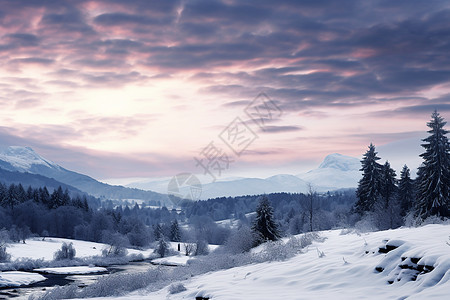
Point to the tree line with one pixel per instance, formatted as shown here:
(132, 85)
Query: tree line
(388, 201)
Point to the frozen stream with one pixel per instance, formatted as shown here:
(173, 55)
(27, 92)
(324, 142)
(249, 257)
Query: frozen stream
(61, 280)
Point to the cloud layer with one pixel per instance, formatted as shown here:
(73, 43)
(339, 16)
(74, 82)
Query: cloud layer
(140, 78)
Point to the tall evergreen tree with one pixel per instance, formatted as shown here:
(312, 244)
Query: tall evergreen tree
(264, 225)
(158, 232)
(405, 193)
(369, 186)
(433, 182)
(388, 186)
(175, 232)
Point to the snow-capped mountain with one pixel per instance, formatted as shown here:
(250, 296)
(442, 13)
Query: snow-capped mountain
(337, 171)
(26, 160)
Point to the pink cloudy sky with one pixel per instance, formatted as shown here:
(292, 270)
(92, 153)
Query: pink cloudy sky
(138, 88)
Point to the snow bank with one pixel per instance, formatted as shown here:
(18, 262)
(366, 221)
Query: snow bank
(16, 278)
(81, 270)
(36, 248)
(178, 260)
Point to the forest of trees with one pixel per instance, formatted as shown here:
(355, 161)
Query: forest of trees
(381, 201)
(386, 200)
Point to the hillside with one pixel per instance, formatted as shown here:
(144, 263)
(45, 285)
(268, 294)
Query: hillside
(417, 269)
(26, 160)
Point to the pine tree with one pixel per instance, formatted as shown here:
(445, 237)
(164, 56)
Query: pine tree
(433, 182)
(388, 186)
(157, 231)
(405, 193)
(369, 185)
(175, 232)
(163, 247)
(264, 226)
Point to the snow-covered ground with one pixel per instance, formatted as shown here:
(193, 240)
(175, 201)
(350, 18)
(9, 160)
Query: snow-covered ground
(72, 270)
(175, 260)
(347, 270)
(36, 248)
(16, 278)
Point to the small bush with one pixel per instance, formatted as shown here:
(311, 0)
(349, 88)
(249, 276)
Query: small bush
(177, 288)
(240, 241)
(117, 244)
(67, 251)
(201, 248)
(4, 256)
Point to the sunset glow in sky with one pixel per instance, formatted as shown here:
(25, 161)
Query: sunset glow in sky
(138, 88)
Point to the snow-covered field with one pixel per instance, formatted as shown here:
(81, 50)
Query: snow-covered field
(36, 248)
(347, 270)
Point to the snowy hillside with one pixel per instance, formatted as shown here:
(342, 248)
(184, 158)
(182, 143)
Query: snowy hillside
(353, 266)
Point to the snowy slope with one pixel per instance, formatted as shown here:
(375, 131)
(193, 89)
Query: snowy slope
(347, 271)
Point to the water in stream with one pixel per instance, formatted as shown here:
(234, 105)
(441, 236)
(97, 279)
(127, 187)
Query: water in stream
(61, 280)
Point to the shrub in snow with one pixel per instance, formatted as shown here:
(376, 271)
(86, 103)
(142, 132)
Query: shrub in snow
(67, 251)
(240, 241)
(4, 239)
(44, 234)
(366, 224)
(277, 251)
(201, 247)
(117, 244)
(176, 288)
(435, 220)
(4, 256)
(189, 248)
(346, 231)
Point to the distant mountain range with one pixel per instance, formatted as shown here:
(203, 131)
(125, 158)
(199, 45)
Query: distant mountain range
(337, 171)
(24, 165)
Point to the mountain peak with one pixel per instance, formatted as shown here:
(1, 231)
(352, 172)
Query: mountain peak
(24, 158)
(340, 162)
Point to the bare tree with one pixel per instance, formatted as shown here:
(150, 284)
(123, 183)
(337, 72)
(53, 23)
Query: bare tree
(312, 205)
(189, 248)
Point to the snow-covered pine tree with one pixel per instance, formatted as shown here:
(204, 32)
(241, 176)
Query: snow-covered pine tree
(264, 226)
(433, 181)
(157, 232)
(175, 232)
(369, 185)
(405, 194)
(388, 186)
(162, 248)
